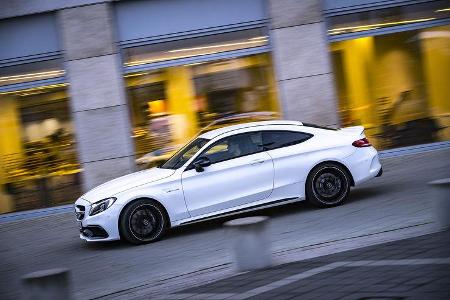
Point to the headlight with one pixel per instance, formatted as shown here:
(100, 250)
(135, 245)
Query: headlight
(101, 205)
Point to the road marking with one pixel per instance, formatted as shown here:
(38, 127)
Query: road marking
(296, 277)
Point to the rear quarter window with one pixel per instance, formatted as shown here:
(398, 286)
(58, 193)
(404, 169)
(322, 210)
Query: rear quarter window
(280, 138)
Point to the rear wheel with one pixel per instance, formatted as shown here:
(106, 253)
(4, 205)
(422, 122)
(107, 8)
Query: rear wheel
(327, 185)
(143, 221)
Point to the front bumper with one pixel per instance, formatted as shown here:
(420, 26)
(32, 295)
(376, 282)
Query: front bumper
(100, 227)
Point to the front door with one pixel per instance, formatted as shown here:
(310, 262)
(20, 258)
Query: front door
(240, 173)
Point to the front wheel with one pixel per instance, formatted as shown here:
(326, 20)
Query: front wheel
(327, 185)
(143, 221)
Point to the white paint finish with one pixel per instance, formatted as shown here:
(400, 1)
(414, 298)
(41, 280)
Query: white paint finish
(228, 184)
(257, 125)
(126, 182)
(238, 183)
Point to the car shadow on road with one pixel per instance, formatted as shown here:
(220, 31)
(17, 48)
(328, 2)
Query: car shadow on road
(358, 194)
(273, 212)
(364, 193)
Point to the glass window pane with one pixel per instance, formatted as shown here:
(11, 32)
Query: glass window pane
(279, 139)
(233, 147)
(171, 105)
(31, 72)
(186, 153)
(383, 18)
(195, 47)
(396, 85)
(38, 162)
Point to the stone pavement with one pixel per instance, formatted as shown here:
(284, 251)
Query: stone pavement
(414, 268)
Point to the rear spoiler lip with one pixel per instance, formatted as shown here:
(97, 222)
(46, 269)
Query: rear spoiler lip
(356, 130)
(353, 129)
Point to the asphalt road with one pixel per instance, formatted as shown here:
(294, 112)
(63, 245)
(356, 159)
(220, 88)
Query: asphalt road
(399, 198)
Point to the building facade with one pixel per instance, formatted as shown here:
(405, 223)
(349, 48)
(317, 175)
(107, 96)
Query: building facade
(90, 88)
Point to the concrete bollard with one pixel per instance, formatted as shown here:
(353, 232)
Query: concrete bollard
(50, 284)
(250, 243)
(441, 202)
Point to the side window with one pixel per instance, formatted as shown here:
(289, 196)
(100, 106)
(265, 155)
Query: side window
(280, 138)
(234, 146)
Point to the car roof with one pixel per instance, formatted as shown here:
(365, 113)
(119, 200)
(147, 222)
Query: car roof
(216, 132)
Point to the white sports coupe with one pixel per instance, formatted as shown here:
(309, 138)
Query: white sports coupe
(227, 171)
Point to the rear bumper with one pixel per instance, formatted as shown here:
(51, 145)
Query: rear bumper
(364, 164)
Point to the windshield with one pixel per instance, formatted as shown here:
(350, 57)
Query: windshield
(184, 154)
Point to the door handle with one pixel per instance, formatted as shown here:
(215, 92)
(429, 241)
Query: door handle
(257, 162)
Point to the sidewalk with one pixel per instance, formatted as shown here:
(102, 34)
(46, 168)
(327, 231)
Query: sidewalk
(415, 268)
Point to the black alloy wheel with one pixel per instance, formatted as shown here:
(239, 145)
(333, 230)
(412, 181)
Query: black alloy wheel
(143, 221)
(327, 185)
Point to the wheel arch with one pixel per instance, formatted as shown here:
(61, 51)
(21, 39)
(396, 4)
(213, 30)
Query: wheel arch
(168, 223)
(352, 181)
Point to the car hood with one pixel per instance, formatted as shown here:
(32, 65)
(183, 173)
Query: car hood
(120, 184)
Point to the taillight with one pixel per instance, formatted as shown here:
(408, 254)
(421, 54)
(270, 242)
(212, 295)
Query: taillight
(364, 142)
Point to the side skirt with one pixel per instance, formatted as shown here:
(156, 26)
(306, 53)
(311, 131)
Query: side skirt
(243, 210)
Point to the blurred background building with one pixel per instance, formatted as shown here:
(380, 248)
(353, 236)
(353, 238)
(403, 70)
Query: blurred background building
(94, 89)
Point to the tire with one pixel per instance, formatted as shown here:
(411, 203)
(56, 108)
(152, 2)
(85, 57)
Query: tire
(328, 185)
(143, 221)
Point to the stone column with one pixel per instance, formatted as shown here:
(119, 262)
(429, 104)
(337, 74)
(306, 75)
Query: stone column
(302, 63)
(97, 93)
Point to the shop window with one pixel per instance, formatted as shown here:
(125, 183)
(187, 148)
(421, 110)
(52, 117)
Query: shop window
(195, 47)
(396, 85)
(388, 17)
(31, 72)
(38, 164)
(169, 106)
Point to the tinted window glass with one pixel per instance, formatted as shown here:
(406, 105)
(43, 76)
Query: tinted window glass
(279, 139)
(234, 146)
(184, 154)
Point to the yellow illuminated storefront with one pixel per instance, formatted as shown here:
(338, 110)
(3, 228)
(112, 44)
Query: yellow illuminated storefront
(38, 163)
(170, 105)
(396, 84)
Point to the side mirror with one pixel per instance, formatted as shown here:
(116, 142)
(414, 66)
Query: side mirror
(201, 163)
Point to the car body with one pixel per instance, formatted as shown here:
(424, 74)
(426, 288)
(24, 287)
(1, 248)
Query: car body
(230, 170)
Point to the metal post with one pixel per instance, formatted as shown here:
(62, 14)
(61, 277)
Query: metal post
(250, 243)
(50, 284)
(441, 202)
